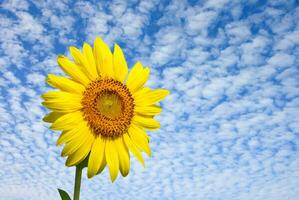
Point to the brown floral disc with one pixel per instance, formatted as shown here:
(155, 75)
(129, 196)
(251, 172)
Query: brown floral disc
(108, 107)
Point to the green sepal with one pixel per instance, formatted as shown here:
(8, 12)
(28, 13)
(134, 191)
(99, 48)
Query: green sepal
(83, 163)
(64, 195)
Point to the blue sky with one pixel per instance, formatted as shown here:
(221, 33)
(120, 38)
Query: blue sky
(230, 128)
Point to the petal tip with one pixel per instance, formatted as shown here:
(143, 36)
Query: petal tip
(90, 175)
(60, 56)
(116, 47)
(67, 163)
(72, 48)
(167, 92)
(124, 174)
(63, 154)
(113, 179)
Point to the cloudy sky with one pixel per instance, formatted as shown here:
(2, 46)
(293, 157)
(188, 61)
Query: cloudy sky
(230, 128)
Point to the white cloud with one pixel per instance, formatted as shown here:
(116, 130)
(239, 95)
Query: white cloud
(199, 21)
(15, 5)
(281, 60)
(237, 32)
(132, 23)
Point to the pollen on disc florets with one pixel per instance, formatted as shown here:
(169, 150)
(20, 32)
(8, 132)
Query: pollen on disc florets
(108, 107)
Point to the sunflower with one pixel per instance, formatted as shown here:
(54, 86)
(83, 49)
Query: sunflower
(102, 111)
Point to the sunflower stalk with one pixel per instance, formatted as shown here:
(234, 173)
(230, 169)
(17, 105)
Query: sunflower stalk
(78, 176)
(77, 182)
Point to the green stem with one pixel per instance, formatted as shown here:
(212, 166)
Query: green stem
(77, 182)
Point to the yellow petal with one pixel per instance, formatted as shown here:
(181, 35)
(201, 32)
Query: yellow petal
(147, 123)
(72, 70)
(134, 73)
(139, 81)
(103, 58)
(76, 142)
(62, 101)
(143, 98)
(112, 159)
(68, 121)
(103, 165)
(148, 110)
(69, 135)
(120, 64)
(62, 106)
(65, 84)
(123, 156)
(97, 157)
(52, 117)
(133, 148)
(80, 154)
(57, 95)
(140, 131)
(88, 53)
(66, 136)
(140, 139)
(82, 62)
(142, 91)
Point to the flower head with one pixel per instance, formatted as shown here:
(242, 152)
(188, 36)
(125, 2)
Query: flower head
(102, 110)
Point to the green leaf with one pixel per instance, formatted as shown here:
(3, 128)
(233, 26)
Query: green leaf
(64, 195)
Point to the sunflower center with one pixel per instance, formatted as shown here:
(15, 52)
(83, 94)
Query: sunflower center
(109, 104)
(108, 107)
